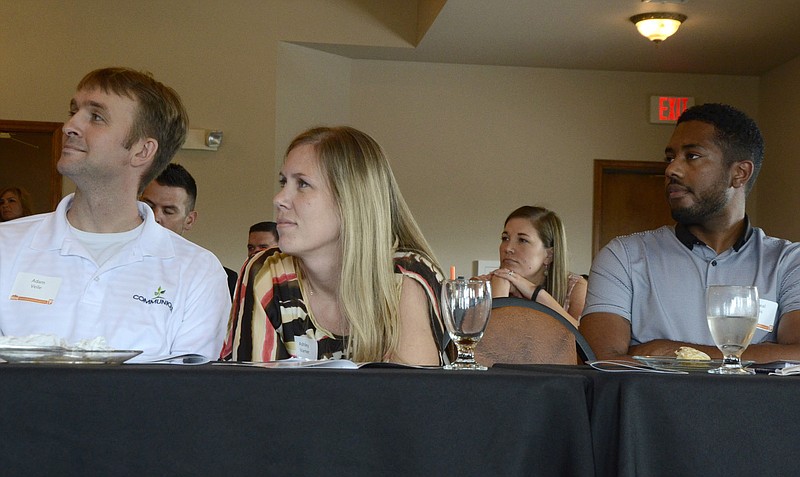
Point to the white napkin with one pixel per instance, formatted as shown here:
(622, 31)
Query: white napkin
(787, 370)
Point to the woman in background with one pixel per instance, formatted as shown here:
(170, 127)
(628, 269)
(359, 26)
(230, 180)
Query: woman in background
(353, 278)
(14, 203)
(533, 261)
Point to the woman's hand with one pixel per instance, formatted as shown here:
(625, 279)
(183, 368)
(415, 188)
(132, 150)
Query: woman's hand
(500, 286)
(506, 282)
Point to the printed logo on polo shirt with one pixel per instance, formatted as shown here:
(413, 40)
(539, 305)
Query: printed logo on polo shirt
(158, 299)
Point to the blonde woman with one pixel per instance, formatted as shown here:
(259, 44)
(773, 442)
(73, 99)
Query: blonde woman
(353, 278)
(15, 202)
(533, 255)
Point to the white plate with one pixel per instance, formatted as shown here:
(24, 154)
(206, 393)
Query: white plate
(60, 355)
(672, 363)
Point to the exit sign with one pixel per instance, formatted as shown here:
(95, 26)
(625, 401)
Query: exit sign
(667, 109)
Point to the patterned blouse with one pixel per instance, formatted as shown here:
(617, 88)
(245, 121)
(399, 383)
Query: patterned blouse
(269, 318)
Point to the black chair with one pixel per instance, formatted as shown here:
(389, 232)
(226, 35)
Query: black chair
(582, 346)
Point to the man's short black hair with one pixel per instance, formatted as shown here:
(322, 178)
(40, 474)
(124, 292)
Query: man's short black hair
(736, 133)
(265, 227)
(175, 175)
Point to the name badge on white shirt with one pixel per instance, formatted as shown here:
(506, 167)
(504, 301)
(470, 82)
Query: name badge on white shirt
(305, 347)
(766, 314)
(35, 288)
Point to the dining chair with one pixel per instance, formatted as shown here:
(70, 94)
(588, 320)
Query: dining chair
(526, 332)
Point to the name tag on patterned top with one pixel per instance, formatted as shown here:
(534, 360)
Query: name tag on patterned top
(305, 347)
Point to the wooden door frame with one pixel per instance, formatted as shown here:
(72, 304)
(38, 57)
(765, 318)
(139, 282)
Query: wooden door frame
(602, 166)
(55, 130)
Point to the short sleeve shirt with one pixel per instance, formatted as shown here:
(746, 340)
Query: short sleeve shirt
(159, 293)
(657, 281)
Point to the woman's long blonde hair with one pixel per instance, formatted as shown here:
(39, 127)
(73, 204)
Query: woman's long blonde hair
(551, 233)
(375, 221)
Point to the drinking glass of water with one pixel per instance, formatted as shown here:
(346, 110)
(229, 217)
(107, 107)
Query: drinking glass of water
(732, 313)
(466, 305)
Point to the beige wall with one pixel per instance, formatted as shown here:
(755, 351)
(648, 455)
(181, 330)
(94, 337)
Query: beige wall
(467, 143)
(312, 88)
(220, 56)
(778, 201)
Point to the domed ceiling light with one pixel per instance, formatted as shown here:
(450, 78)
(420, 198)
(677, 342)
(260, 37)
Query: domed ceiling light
(658, 26)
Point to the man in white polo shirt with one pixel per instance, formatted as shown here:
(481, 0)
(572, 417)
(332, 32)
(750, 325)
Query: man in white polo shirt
(646, 291)
(100, 265)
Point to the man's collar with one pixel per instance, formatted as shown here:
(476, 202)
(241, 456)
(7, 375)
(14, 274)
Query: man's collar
(688, 239)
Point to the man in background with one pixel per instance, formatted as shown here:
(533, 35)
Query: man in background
(100, 265)
(262, 236)
(172, 196)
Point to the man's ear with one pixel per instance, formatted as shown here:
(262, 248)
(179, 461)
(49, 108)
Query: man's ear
(145, 151)
(188, 222)
(742, 172)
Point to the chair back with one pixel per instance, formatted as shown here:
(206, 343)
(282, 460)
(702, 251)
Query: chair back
(517, 335)
(526, 332)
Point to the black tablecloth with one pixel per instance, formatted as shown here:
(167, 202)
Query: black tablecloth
(691, 424)
(217, 420)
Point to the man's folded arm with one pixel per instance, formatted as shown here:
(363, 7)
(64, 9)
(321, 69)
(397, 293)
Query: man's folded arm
(787, 345)
(608, 334)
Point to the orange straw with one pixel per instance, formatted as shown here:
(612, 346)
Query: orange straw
(452, 272)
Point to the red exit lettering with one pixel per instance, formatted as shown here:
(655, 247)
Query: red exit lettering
(671, 107)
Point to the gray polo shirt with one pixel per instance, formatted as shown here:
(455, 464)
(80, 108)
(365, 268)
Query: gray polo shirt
(657, 280)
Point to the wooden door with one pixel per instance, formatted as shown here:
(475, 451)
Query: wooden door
(29, 152)
(628, 197)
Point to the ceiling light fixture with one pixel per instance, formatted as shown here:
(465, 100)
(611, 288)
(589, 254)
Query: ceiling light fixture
(658, 26)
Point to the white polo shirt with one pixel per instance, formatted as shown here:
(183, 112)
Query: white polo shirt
(160, 293)
(657, 281)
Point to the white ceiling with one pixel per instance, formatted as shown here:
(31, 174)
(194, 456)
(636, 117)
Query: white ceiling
(732, 37)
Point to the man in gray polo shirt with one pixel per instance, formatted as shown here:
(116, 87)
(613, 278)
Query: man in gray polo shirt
(646, 291)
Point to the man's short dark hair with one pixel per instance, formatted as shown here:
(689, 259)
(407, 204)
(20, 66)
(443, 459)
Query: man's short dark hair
(736, 133)
(159, 112)
(265, 227)
(175, 175)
